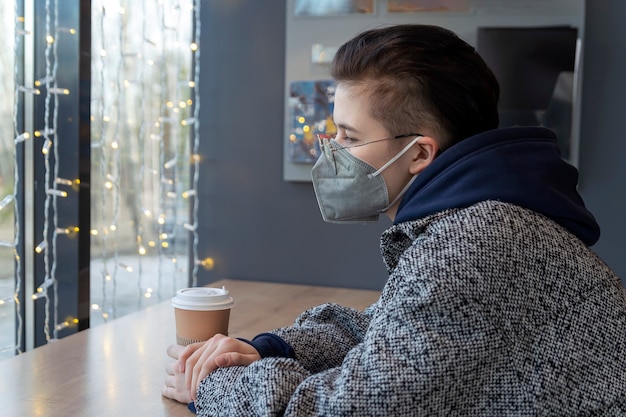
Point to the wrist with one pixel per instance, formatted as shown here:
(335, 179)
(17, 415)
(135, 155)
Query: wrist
(270, 345)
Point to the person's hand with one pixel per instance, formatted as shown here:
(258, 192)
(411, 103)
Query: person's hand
(175, 387)
(200, 359)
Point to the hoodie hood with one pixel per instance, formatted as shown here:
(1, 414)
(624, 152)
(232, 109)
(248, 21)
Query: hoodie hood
(518, 165)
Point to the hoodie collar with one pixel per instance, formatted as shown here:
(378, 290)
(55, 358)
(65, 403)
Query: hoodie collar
(519, 165)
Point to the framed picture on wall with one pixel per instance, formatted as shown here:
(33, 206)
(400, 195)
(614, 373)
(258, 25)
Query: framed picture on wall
(410, 6)
(311, 106)
(333, 7)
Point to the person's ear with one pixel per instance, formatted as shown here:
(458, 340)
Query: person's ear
(426, 149)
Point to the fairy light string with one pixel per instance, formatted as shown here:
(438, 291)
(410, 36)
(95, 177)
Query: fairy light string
(170, 172)
(195, 160)
(164, 130)
(17, 296)
(103, 184)
(182, 148)
(55, 194)
(122, 70)
(165, 136)
(114, 146)
(49, 148)
(44, 247)
(180, 131)
(140, 240)
(141, 64)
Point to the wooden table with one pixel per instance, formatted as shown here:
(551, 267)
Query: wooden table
(118, 368)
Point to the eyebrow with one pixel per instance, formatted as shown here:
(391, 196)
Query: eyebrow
(346, 127)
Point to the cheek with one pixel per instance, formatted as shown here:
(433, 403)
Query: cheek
(367, 157)
(376, 159)
(395, 178)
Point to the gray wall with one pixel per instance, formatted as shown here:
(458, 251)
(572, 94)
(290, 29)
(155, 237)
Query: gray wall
(253, 223)
(603, 128)
(257, 226)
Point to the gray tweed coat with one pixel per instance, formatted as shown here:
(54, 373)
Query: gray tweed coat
(491, 310)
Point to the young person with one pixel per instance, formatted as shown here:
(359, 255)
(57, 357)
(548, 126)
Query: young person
(495, 305)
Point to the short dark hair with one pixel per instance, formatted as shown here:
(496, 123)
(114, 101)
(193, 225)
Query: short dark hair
(421, 76)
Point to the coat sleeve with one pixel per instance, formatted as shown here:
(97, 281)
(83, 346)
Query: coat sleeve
(321, 327)
(422, 347)
(320, 338)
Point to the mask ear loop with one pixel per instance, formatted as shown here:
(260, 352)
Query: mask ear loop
(395, 158)
(400, 195)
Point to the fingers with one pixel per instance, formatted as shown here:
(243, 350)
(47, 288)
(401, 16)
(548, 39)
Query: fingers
(173, 394)
(200, 364)
(171, 368)
(224, 360)
(170, 381)
(168, 392)
(194, 360)
(235, 359)
(185, 352)
(221, 351)
(174, 351)
(173, 390)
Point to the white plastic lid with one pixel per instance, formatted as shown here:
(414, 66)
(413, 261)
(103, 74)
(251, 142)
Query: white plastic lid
(202, 299)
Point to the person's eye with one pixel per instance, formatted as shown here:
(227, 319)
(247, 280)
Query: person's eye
(343, 139)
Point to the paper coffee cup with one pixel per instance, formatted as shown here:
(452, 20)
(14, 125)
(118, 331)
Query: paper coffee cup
(201, 313)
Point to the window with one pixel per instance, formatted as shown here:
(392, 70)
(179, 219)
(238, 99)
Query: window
(102, 134)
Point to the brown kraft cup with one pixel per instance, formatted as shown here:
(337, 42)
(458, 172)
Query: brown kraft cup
(201, 313)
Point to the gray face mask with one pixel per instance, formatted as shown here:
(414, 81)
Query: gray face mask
(349, 190)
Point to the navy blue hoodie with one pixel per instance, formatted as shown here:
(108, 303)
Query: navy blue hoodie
(518, 165)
